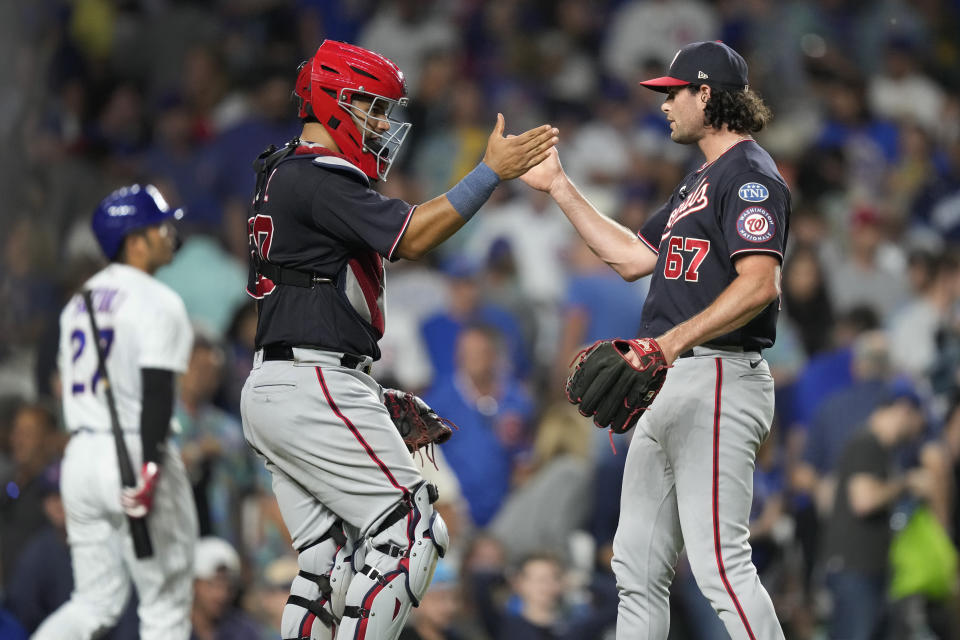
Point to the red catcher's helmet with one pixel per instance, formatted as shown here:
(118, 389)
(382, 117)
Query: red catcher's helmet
(327, 85)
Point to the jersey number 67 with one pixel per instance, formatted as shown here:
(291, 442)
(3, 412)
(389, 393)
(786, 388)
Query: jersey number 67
(674, 265)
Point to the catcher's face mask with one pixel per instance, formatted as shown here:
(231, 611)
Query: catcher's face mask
(382, 134)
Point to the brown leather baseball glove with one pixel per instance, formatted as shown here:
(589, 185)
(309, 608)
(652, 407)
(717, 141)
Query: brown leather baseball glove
(418, 424)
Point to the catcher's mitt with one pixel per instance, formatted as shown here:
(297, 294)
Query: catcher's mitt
(418, 424)
(606, 386)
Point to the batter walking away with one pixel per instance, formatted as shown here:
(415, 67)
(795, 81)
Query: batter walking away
(715, 250)
(358, 510)
(146, 339)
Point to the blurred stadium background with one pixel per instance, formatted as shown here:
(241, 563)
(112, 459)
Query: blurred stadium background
(185, 94)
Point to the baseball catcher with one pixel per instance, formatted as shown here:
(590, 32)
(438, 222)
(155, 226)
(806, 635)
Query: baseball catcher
(359, 511)
(614, 387)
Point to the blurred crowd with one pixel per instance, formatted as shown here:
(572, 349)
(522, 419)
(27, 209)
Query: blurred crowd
(854, 495)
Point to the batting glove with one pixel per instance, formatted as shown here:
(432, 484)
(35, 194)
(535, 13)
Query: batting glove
(136, 501)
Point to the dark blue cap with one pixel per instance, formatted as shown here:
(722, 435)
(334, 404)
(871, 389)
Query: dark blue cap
(461, 267)
(711, 63)
(901, 389)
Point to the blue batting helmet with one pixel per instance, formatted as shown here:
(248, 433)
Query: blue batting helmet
(128, 209)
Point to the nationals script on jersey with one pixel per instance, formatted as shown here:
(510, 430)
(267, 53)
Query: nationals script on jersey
(144, 325)
(736, 205)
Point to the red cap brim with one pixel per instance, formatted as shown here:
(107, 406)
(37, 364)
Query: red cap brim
(664, 83)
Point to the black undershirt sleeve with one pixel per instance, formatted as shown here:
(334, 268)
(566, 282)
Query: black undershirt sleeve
(157, 411)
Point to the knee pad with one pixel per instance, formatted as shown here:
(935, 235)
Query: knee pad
(397, 567)
(429, 540)
(319, 590)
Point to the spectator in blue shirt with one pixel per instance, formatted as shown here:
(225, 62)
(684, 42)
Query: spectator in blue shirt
(467, 306)
(846, 409)
(271, 120)
(829, 371)
(493, 413)
(174, 159)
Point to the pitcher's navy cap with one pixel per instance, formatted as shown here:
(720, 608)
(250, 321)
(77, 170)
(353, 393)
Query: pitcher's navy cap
(711, 63)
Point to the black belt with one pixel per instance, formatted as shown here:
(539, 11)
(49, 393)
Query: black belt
(719, 347)
(292, 277)
(283, 352)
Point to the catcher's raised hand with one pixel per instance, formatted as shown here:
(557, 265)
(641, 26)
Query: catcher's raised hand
(614, 388)
(512, 156)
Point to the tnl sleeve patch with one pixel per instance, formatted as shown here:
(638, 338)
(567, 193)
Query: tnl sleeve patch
(756, 224)
(753, 192)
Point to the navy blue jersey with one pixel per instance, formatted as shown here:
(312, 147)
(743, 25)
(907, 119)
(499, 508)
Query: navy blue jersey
(734, 206)
(318, 215)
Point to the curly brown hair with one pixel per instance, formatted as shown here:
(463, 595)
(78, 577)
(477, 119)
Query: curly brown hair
(741, 111)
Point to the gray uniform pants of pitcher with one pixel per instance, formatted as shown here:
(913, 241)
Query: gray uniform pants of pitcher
(689, 481)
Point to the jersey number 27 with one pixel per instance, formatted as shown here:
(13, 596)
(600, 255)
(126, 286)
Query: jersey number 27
(79, 341)
(675, 259)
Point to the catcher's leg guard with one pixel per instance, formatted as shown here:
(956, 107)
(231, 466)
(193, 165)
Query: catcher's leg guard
(319, 590)
(397, 568)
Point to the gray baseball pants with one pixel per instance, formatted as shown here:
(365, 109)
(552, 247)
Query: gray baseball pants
(689, 481)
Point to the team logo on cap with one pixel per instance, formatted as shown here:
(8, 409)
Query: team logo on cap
(754, 192)
(755, 224)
